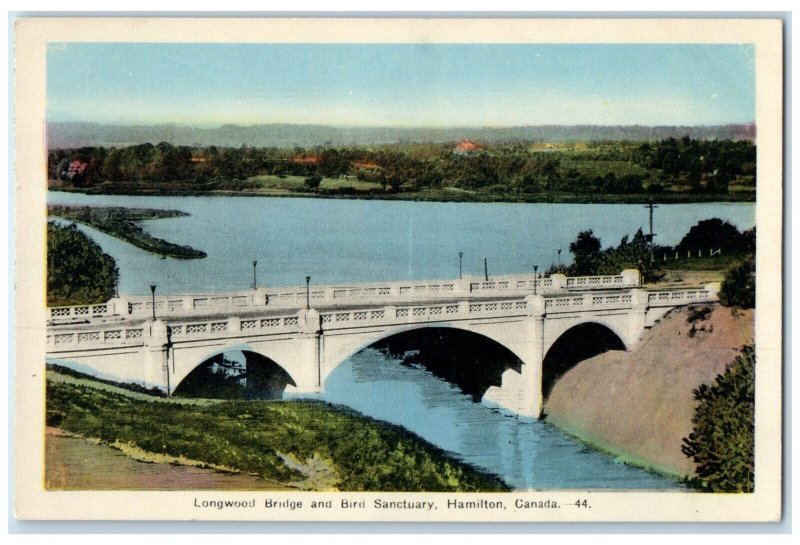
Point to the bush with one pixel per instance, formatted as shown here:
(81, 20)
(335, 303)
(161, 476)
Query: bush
(78, 272)
(739, 286)
(722, 441)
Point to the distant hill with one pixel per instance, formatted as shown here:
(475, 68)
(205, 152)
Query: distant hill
(73, 135)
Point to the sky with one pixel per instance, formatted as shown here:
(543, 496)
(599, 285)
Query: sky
(408, 85)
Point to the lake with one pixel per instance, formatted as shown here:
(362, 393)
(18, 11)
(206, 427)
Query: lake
(341, 241)
(344, 241)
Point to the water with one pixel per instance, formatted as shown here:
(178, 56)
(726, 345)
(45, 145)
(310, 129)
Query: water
(527, 456)
(344, 241)
(341, 241)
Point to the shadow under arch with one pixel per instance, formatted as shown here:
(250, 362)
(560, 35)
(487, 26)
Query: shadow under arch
(235, 374)
(471, 361)
(576, 344)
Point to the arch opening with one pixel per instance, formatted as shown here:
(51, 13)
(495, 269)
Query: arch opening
(235, 374)
(470, 361)
(575, 345)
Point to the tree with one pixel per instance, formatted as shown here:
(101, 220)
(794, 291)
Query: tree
(78, 272)
(585, 249)
(714, 234)
(722, 441)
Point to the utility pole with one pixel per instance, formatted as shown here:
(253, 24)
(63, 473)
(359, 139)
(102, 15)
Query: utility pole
(485, 270)
(651, 236)
(460, 259)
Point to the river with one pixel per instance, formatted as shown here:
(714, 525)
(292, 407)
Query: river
(341, 241)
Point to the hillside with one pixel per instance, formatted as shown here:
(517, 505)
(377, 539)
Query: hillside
(74, 135)
(639, 404)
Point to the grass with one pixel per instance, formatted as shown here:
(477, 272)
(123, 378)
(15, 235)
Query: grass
(716, 263)
(297, 183)
(307, 444)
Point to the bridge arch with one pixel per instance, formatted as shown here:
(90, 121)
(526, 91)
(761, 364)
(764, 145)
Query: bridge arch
(338, 349)
(235, 371)
(574, 345)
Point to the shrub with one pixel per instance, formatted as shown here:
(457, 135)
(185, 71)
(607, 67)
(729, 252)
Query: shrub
(722, 441)
(739, 286)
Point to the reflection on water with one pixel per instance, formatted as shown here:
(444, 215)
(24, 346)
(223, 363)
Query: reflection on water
(525, 455)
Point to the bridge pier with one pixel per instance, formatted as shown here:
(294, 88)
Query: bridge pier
(156, 355)
(521, 392)
(308, 378)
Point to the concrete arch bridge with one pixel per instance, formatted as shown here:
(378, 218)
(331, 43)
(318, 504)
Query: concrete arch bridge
(309, 332)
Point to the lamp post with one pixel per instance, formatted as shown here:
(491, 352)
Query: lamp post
(153, 291)
(254, 273)
(535, 278)
(485, 270)
(460, 260)
(308, 293)
(559, 260)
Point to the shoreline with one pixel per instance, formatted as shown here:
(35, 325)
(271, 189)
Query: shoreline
(457, 197)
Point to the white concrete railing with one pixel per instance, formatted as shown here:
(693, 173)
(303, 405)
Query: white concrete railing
(142, 305)
(385, 315)
(83, 311)
(588, 301)
(110, 337)
(666, 298)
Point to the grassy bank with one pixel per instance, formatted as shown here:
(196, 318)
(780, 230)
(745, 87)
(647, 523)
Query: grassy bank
(121, 223)
(639, 404)
(305, 444)
(356, 190)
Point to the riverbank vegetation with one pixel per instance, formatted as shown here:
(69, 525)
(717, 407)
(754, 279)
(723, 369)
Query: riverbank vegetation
(78, 272)
(668, 170)
(123, 223)
(710, 245)
(722, 443)
(306, 444)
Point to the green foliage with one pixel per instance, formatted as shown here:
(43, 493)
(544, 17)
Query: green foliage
(252, 436)
(722, 441)
(715, 234)
(591, 260)
(122, 223)
(78, 272)
(611, 170)
(586, 251)
(312, 182)
(739, 286)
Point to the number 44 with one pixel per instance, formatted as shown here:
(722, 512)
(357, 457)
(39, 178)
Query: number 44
(582, 503)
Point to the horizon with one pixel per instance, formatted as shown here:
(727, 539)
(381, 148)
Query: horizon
(398, 127)
(426, 86)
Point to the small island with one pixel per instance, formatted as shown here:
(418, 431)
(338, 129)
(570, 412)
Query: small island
(122, 223)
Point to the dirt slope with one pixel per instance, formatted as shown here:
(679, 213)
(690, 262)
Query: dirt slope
(639, 404)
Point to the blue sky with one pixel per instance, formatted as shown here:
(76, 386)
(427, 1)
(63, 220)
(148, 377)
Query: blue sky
(401, 85)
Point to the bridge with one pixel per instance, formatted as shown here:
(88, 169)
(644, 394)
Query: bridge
(309, 332)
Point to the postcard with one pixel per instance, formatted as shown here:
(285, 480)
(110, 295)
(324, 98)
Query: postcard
(421, 269)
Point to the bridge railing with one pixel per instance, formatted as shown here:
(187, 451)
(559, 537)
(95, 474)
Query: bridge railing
(65, 340)
(82, 311)
(667, 298)
(175, 305)
(589, 282)
(422, 313)
(598, 301)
